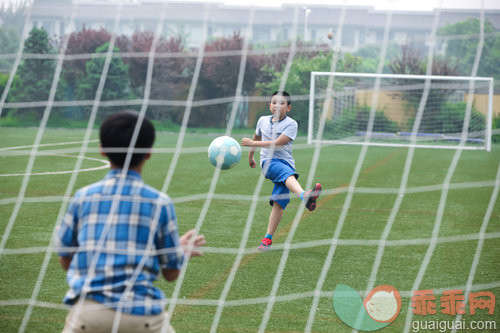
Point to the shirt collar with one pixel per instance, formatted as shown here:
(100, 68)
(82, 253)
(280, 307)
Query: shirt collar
(271, 119)
(117, 172)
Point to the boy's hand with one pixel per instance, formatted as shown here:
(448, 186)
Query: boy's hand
(198, 241)
(252, 162)
(247, 142)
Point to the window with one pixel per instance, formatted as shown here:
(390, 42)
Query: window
(261, 34)
(195, 36)
(313, 35)
(61, 29)
(285, 34)
(348, 38)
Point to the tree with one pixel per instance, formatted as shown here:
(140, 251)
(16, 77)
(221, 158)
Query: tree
(219, 78)
(440, 116)
(34, 76)
(298, 81)
(277, 60)
(83, 42)
(171, 75)
(117, 85)
(411, 61)
(12, 17)
(13, 14)
(371, 57)
(9, 43)
(141, 41)
(462, 40)
(171, 78)
(3, 82)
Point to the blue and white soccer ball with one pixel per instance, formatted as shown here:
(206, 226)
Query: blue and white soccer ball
(224, 151)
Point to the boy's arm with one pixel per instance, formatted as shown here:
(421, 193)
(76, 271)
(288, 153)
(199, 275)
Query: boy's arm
(251, 153)
(65, 261)
(66, 234)
(280, 141)
(171, 274)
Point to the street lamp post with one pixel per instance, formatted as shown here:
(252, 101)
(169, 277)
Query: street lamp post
(307, 11)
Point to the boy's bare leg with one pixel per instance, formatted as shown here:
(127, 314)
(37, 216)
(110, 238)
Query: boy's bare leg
(274, 218)
(293, 185)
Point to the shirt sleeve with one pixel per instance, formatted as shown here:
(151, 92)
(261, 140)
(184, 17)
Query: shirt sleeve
(67, 230)
(258, 129)
(168, 239)
(291, 130)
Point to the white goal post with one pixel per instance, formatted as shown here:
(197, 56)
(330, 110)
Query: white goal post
(401, 110)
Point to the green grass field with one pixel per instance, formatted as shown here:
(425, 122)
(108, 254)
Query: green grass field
(472, 186)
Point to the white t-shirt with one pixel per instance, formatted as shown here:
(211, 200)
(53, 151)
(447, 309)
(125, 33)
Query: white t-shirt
(269, 131)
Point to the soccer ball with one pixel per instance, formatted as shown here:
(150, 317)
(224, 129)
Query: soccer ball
(224, 151)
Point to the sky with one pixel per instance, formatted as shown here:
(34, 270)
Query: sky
(425, 5)
(418, 5)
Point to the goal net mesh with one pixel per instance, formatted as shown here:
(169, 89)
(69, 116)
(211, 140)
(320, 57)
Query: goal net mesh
(393, 104)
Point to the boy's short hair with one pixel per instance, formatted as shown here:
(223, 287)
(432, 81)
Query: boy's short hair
(283, 94)
(116, 132)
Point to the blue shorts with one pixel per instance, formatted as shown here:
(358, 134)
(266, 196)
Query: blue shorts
(278, 172)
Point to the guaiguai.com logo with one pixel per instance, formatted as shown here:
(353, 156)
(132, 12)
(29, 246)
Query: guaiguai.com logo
(380, 307)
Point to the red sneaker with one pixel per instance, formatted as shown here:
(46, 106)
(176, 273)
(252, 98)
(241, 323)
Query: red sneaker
(311, 196)
(265, 244)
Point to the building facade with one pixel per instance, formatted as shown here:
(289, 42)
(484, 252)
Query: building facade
(362, 26)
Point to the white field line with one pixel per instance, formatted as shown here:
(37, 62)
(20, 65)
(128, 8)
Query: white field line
(47, 145)
(105, 164)
(449, 175)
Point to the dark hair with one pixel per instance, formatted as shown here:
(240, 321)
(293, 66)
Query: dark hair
(117, 131)
(283, 94)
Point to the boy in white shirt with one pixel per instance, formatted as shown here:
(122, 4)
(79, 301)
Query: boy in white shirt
(275, 134)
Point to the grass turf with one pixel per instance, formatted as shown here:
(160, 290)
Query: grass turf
(223, 226)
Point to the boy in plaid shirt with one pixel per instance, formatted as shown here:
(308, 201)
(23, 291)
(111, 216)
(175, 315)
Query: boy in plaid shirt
(121, 233)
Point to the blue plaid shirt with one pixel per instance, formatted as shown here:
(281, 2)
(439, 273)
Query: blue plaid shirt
(130, 225)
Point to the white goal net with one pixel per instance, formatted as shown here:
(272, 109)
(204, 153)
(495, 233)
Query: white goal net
(203, 69)
(405, 110)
